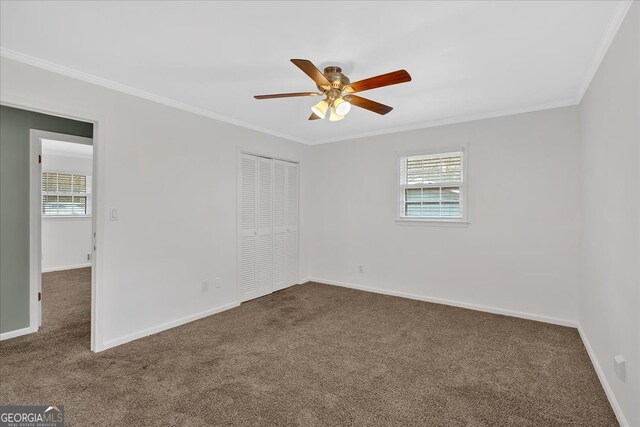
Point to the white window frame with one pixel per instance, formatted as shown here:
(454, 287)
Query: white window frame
(463, 220)
(88, 195)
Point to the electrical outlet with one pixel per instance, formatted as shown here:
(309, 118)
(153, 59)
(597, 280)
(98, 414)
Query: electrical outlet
(361, 269)
(619, 367)
(216, 283)
(205, 286)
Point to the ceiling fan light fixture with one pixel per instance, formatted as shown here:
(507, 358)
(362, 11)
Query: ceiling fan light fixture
(334, 116)
(342, 107)
(320, 109)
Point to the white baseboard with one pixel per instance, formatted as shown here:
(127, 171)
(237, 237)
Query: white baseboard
(17, 333)
(603, 380)
(66, 267)
(494, 310)
(169, 325)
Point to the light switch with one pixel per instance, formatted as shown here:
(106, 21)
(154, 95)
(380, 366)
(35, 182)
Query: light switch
(114, 214)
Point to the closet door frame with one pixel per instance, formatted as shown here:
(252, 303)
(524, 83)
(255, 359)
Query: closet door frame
(250, 152)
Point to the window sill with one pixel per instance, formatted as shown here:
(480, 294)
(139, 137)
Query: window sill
(65, 217)
(434, 222)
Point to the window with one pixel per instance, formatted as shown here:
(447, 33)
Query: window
(431, 187)
(65, 194)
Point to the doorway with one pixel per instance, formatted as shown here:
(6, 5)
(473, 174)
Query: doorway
(21, 223)
(62, 232)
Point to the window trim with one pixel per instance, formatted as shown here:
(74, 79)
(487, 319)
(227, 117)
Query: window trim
(463, 220)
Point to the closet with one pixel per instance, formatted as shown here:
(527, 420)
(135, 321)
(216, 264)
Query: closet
(268, 226)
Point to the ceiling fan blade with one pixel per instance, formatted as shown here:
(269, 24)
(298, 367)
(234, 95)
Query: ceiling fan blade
(313, 117)
(312, 71)
(286, 95)
(367, 104)
(393, 78)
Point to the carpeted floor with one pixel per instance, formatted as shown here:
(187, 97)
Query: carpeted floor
(309, 355)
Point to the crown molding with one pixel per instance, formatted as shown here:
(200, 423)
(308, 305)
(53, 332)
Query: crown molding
(99, 81)
(458, 120)
(89, 78)
(614, 25)
(617, 18)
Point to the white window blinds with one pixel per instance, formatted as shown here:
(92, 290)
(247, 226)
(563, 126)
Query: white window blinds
(431, 186)
(65, 194)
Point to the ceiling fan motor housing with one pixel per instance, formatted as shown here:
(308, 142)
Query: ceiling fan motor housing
(336, 78)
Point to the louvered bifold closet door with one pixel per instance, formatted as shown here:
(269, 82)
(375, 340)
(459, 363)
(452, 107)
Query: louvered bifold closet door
(264, 259)
(248, 228)
(279, 224)
(291, 240)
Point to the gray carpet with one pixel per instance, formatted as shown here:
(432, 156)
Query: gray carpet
(309, 355)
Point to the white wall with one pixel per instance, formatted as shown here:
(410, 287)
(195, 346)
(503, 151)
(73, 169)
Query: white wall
(66, 241)
(610, 228)
(172, 176)
(519, 252)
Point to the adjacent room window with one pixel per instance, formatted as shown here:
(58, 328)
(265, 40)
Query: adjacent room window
(65, 194)
(432, 187)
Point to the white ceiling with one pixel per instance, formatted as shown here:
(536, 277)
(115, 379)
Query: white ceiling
(468, 60)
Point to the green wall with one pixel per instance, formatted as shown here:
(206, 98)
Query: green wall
(15, 125)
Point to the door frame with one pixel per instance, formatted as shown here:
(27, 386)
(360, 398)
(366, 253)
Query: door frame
(98, 212)
(244, 151)
(35, 215)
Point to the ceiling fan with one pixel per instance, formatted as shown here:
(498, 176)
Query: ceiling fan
(339, 91)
